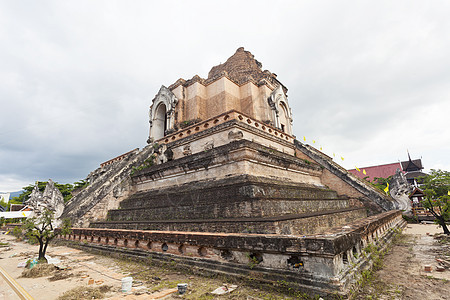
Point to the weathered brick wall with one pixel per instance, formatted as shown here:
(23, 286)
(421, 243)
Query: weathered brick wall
(298, 224)
(241, 67)
(233, 197)
(339, 179)
(171, 209)
(336, 241)
(340, 186)
(321, 223)
(239, 84)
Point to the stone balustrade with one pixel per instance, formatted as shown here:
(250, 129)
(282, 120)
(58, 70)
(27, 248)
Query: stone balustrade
(329, 256)
(222, 118)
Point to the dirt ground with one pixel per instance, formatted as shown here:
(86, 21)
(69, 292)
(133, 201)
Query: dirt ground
(79, 269)
(402, 275)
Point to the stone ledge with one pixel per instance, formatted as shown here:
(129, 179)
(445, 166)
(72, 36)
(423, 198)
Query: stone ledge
(333, 242)
(219, 193)
(237, 220)
(227, 117)
(205, 159)
(296, 224)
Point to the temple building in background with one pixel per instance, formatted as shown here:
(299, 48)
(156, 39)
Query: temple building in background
(412, 169)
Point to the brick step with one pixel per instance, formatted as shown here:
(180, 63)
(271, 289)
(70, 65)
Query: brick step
(226, 209)
(305, 223)
(237, 188)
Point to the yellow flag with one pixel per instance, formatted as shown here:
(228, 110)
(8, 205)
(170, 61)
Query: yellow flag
(387, 188)
(24, 214)
(304, 138)
(314, 141)
(320, 148)
(358, 169)
(334, 154)
(342, 158)
(364, 172)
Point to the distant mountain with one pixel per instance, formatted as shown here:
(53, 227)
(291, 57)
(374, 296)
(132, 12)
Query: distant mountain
(16, 194)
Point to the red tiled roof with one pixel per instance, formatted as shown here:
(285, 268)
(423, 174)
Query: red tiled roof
(383, 171)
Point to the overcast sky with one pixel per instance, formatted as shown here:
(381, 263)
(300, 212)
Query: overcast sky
(367, 80)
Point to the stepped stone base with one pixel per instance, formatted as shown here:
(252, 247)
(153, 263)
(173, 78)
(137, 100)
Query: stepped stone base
(322, 264)
(234, 196)
(258, 203)
(298, 224)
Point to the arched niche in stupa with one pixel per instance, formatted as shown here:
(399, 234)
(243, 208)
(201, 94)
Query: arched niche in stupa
(281, 112)
(161, 113)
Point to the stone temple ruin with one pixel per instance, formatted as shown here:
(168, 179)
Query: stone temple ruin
(224, 187)
(50, 199)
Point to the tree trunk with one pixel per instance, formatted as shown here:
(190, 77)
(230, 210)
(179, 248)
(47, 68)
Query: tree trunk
(446, 231)
(45, 248)
(41, 251)
(441, 222)
(440, 219)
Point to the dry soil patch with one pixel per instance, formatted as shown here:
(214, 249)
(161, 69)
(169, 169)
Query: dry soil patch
(403, 276)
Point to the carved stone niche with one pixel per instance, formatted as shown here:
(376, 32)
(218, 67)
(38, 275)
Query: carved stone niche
(208, 145)
(314, 245)
(161, 113)
(235, 135)
(281, 112)
(169, 154)
(187, 150)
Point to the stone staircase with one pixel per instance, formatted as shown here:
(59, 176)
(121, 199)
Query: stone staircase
(110, 185)
(240, 204)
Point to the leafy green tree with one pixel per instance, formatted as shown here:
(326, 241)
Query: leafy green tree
(80, 184)
(3, 203)
(42, 228)
(381, 183)
(28, 189)
(65, 189)
(8, 205)
(436, 187)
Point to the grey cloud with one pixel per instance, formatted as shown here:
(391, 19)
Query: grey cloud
(77, 77)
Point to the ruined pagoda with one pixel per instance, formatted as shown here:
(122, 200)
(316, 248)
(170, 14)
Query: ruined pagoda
(224, 186)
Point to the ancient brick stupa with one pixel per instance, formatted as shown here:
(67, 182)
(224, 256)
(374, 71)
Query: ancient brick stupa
(224, 186)
(238, 84)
